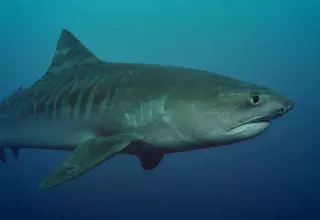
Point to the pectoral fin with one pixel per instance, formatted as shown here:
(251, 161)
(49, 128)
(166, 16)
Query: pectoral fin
(87, 156)
(150, 160)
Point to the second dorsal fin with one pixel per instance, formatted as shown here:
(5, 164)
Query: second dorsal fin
(70, 53)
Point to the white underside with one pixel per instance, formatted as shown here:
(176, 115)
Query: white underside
(249, 130)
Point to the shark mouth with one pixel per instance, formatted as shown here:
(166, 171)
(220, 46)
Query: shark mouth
(258, 124)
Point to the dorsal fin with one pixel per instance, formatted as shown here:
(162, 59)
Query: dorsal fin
(70, 53)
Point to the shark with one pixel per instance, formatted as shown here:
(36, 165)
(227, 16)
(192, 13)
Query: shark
(97, 109)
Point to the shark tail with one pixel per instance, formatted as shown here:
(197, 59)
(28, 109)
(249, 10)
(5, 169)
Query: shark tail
(14, 150)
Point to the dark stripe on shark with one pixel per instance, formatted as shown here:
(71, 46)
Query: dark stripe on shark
(90, 99)
(41, 102)
(85, 99)
(62, 100)
(13, 103)
(42, 96)
(40, 109)
(99, 97)
(29, 108)
(62, 105)
(102, 99)
(104, 96)
(50, 108)
(73, 98)
(70, 101)
(33, 104)
(26, 108)
(58, 100)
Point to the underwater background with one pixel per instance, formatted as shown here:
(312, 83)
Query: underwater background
(271, 42)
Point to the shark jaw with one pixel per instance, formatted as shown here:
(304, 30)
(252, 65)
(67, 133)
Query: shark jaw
(255, 126)
(249, 129)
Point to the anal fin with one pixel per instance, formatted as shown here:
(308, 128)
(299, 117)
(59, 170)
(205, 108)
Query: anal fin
(3, 155)
(15, 151)
(150, 160)
(87, 156)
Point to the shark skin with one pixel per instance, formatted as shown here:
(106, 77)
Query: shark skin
(98, 109)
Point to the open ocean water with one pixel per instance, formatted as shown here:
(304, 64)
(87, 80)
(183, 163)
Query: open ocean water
(271, 42)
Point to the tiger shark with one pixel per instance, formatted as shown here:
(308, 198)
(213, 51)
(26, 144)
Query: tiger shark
(97, 109)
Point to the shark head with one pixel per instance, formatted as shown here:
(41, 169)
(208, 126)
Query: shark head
(252, 110)
(218, 110)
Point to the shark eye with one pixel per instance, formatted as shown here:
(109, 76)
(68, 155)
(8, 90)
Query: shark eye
(255, 99)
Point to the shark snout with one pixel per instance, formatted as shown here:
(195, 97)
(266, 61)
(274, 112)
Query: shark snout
(287, 106)
(290, 105)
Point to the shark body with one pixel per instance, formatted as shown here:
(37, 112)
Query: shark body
(99, 109)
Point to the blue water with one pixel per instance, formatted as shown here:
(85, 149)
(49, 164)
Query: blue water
(271, 42)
